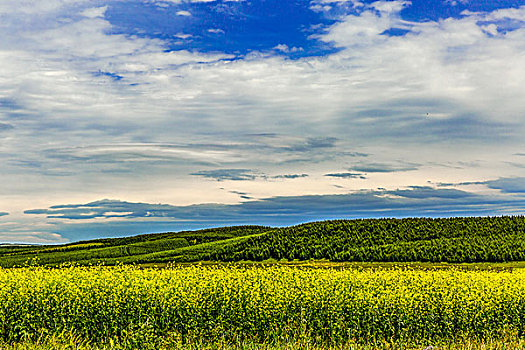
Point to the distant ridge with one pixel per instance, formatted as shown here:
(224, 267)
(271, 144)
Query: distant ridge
(455, 240)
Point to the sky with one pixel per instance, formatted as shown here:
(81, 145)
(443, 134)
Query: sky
(125, 117)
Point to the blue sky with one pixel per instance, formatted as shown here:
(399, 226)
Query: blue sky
(125, 117)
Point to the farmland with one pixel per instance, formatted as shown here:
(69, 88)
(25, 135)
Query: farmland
(415, 283)
(175, 306)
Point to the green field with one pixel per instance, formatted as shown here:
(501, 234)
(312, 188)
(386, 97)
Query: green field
(452, 240)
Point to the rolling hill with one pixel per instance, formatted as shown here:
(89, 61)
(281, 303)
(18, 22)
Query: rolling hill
(456, 240)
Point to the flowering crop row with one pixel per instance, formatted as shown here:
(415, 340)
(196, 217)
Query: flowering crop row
(262, 304)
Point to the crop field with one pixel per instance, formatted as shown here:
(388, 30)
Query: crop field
(135, 308)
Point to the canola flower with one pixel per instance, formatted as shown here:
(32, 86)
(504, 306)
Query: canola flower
(263, 304)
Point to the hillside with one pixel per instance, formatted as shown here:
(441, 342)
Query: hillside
(150, 247)
(476, 239)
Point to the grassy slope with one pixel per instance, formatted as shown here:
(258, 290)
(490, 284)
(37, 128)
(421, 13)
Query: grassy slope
(453, 240)
(142, 248)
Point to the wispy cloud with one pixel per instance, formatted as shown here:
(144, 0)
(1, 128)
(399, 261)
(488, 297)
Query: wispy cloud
(107, 209)
(382, 168)
(412, 201)
(346, 175)
(243, 195)
(313, 143)
(508, 185)
(227, 174)
(289, 176)
(5, 126)
(145, 152)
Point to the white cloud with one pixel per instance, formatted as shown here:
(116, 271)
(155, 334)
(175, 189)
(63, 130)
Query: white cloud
(94, 12)
(328, 5)
(390, 7)
(509, 13)
(183, 13)
(491, 29)
(285, 49)
(29, 230)
(33, 237)
(453, 60)
(320, 8)
(37, 7)
(456, 2)
(183, 35)
(216, 31)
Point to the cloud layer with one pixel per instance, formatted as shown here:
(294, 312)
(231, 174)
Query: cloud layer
(355, 96)
(413, 201)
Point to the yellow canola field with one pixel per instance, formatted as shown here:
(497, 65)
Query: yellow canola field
(262, 304)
